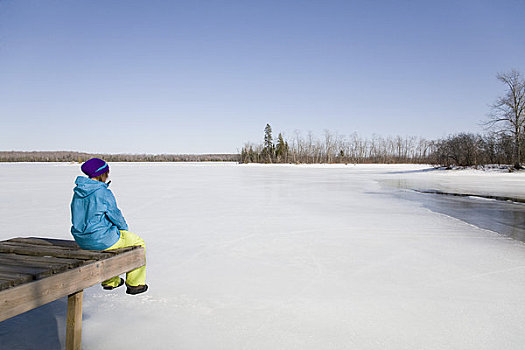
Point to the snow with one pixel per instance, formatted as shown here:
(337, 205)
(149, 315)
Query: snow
(282, 257)
(471, 181)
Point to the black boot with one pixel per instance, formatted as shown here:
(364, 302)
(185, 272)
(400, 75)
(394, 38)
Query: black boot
(136, 289)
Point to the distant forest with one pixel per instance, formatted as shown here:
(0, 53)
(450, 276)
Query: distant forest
(64, 156)
(333, 148)
(464, 149)
(502, 144)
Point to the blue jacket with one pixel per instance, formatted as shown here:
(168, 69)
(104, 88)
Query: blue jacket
(95, 216)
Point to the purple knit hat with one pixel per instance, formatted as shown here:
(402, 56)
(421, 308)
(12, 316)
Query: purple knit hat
(94, 167)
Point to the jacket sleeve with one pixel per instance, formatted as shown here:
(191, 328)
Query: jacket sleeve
(113, 212)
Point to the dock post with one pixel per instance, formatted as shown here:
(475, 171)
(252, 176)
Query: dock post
(74, 321)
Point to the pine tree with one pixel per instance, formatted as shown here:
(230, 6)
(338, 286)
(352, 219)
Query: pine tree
(280, 148)
(268, 143)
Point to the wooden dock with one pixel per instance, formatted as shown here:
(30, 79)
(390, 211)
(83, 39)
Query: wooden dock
(36, 271)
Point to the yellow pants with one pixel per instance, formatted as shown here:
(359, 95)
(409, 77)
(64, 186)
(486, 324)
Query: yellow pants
(134, 277)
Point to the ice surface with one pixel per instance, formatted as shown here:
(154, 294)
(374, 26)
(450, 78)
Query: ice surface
(280, 257)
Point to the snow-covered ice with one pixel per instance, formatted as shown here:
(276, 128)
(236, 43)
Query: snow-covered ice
(495, 183)
(280, 257)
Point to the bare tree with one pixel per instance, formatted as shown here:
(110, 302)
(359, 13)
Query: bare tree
(328, 145)
(508, 112)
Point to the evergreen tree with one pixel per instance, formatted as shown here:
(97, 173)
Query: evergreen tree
(280, 149)
(268, 143)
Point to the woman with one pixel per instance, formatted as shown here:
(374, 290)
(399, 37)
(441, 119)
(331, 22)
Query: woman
(98, 223)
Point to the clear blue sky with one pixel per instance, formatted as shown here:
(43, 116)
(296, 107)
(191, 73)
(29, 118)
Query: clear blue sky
(206, 76)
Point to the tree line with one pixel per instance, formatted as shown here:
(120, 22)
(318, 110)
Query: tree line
(66, 156)
(468, 149)
(501, 144)
(334, 148)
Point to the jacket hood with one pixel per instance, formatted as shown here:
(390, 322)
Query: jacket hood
(86, 186)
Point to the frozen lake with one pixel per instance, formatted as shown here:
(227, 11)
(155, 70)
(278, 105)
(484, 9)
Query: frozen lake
(279, 257)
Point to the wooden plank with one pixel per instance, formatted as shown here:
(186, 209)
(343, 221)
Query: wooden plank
(36, 272)
(40, 246)
(5, 284)
(40, 264)
(46, 242)
(74, 321)
(38, 267)
(16, 278)
(9, 282)
(12, 274)
(62, 249)
(44, 274)
(59, 243)
(34, 250)
(41, 259)
(29, 263)
(22, 298)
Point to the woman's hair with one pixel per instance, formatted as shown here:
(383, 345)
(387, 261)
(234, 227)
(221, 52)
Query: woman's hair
(99, 178)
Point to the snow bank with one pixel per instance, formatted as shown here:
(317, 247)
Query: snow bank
(471, 181)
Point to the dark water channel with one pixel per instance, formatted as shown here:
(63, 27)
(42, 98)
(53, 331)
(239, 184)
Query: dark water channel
(504, 217)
